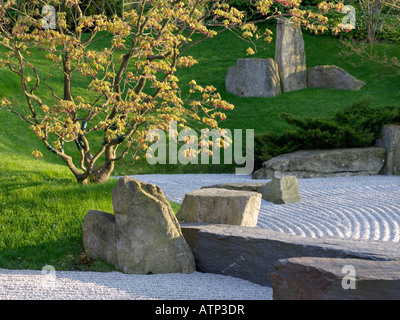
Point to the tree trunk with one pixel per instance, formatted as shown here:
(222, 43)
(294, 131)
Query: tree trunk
(67, 77)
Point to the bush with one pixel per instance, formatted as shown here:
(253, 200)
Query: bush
(391, 29)
(359, 125)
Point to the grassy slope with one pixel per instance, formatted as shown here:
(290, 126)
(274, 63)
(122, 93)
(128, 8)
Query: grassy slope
(216, 55)
(42, 208)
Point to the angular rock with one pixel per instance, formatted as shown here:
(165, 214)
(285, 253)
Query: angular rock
(253, 78)
(282, 190)
(251, 253)
(324, 163)
(310, 278)
(215, 205)
(332, 77)
(100, 236)
(149, 235)
(391, 142)
(290, 56)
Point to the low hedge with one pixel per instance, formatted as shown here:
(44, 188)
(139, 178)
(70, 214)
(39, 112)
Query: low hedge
(358, 125)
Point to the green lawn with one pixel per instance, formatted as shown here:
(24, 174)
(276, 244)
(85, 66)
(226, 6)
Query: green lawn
(41, 206)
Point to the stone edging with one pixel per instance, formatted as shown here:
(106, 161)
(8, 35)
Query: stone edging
(251, 253)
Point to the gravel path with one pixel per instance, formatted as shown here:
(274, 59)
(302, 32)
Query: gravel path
(353, 207)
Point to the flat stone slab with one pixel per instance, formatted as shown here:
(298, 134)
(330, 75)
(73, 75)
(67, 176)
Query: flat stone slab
(242, 186)
(217, 205)
(312, 278)
(324, 163)
(251, 253)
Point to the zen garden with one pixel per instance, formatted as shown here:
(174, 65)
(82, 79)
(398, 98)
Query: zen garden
(200, 150)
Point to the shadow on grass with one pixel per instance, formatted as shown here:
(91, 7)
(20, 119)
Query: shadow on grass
(64, 254)
(12, 180)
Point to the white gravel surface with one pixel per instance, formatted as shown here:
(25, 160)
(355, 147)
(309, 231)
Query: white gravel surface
(366, 207)
(361, 207)
(74, 285)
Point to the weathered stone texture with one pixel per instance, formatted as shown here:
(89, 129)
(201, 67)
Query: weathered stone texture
(391, 142)
(216, 205)
(324, 163)
(332, 77)
(251, 253)
(310, 278)
(253, 78)
(282, 190)
(143, 236)
(290, 56)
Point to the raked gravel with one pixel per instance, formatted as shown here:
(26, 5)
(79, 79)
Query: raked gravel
(360, 207)
(363, 207)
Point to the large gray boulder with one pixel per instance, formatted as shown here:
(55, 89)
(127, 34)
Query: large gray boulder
(310, 278)
(290, 56)
(143, 236)
(391, 142)
(324, 163)
(251, 253)
(332, 77)
(216, 205)
(253, 78)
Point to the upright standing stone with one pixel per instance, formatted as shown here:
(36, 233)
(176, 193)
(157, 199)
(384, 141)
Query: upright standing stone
(290, 56)
(253, 78)
(391, 142)
(143, 235)
(149, 235)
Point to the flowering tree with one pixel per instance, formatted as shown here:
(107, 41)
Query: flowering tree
(133, 83)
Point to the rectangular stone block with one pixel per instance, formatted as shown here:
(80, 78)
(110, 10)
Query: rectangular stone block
(217, 205)
(251, 253)
(309, 278)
